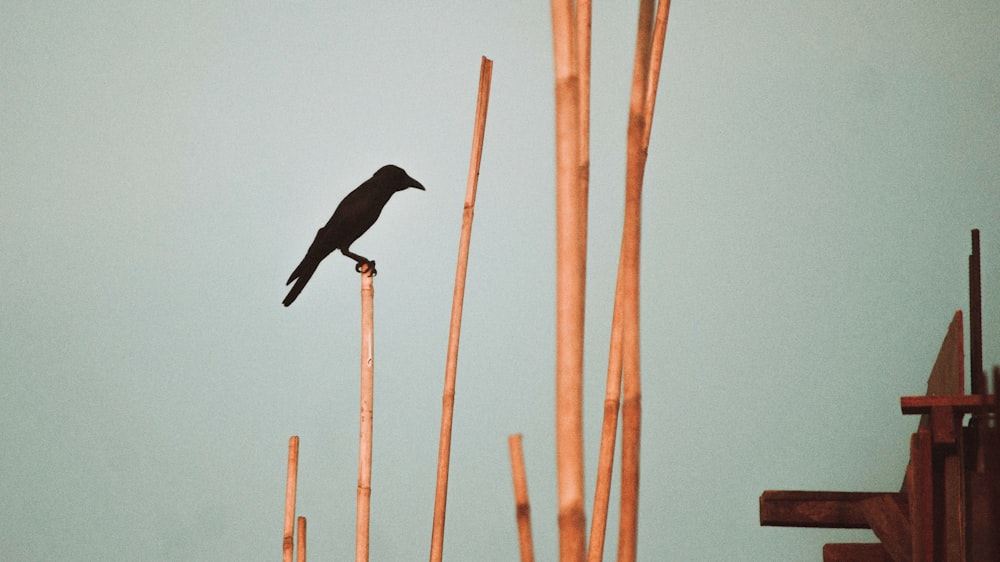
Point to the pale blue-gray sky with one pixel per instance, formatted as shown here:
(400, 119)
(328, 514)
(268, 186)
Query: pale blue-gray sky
(813, 175)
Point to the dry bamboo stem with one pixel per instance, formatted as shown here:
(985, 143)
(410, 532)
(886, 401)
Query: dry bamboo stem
(365, 438)
(570, 287)
(451, 365)
(583, 27)
(522, 505)
(288, 544)
(644, 84)
(302, 540)
(609, 430)
(655, 59)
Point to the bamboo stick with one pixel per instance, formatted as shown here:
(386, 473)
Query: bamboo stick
(644, 84)
(367, 395)
(570, 286)
(302, 540)
(458, 297)
(609, 430)
(521, 503)
(583, 28)
(288, 543)
(655, 61)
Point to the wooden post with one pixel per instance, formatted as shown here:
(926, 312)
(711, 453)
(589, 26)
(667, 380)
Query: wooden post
(977, 375)
(521, 503)
(367, 392)
(458, 297)
(288, 544)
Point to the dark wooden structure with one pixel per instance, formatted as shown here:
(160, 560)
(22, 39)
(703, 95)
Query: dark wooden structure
(948, 508)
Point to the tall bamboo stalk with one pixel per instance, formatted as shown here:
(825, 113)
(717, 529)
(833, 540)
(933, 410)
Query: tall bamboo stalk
(451, 365)
(642, 102)
(367, 394)
(521, 503)
(571, 272)
(288, 544)
(584, 16)
(302, 540)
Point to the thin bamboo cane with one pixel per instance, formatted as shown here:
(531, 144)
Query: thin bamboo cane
(583, 28)
(570, 287)
(365, 433)
(288, 544)
(642, 103)
(451, 365)
(302, 540)
(609, 430)
(655, 60)
(522, 505)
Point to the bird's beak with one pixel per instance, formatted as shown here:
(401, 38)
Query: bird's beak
(416, 184)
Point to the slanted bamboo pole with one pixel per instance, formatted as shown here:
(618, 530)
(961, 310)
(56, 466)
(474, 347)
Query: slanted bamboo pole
(642, 102)
(365, 433)
(521, 503)
(451, 365)
(302, 540)
(571, 256)
(655, 61)
(609, 430)
(288, 544)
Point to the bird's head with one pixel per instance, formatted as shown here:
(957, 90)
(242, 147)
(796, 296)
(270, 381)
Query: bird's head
(397, 177)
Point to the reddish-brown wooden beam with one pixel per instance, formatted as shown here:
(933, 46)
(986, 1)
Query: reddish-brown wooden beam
(855, 552)
(832, 510)
(960, 403)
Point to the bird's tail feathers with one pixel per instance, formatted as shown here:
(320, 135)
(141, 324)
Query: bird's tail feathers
(301, 276)
(294, 293)
(296, 273)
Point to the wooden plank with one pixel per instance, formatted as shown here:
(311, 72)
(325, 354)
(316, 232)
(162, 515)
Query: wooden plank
(948, 374)
(831, 510)
(920, 480)
(855, 552)
(954, 508)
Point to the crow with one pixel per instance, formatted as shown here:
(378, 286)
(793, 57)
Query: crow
(352, 218)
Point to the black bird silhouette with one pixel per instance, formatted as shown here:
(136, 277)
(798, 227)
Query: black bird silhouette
(353, 217)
